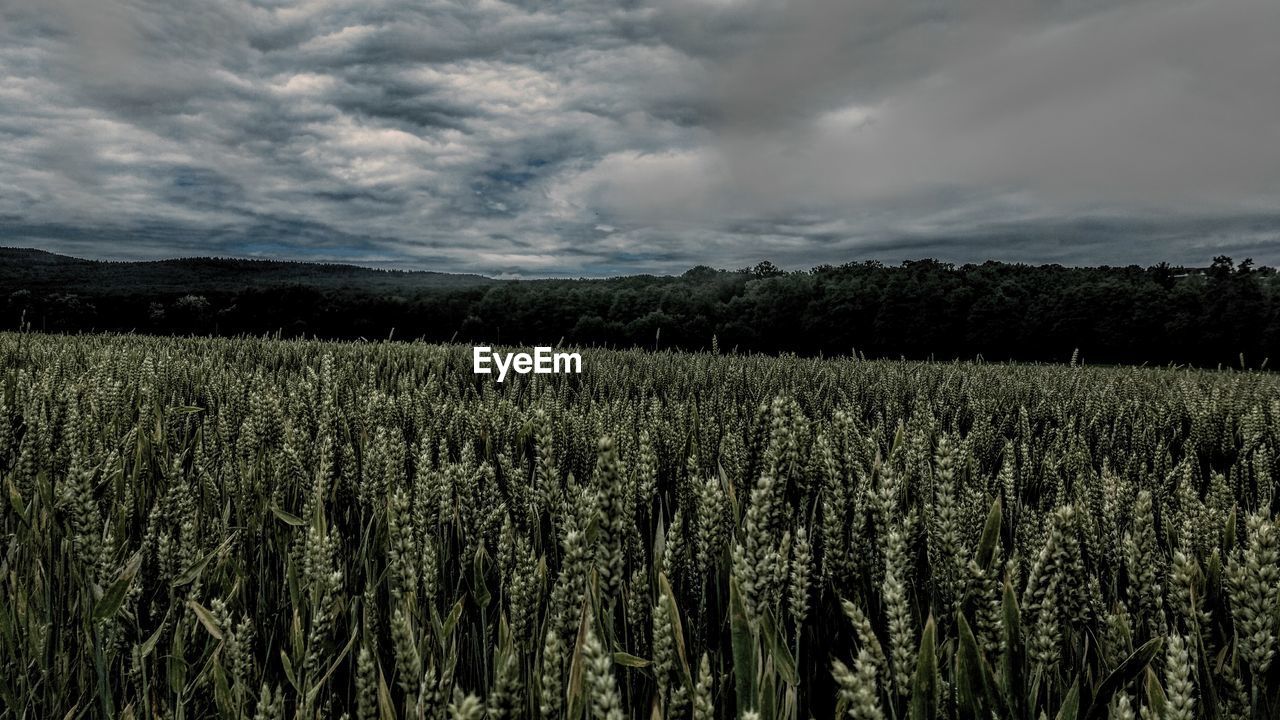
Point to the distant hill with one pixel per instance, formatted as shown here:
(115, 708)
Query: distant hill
(37, 270)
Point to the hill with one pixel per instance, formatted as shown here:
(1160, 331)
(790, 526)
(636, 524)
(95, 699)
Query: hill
(37, 270)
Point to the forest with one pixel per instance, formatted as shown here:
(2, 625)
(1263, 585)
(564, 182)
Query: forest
(1227, 313)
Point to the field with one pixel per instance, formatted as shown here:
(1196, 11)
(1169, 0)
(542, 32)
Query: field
(268, 529)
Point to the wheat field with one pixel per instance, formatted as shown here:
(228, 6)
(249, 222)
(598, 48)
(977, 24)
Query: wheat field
(257, 528)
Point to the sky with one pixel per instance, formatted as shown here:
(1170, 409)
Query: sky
(575, 138)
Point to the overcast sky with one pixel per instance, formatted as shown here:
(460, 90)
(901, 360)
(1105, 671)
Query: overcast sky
(571, 138)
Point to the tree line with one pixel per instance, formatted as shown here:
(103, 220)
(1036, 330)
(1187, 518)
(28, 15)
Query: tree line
(1227, 313)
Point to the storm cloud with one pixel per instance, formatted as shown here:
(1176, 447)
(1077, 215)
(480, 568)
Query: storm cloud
(598, 138)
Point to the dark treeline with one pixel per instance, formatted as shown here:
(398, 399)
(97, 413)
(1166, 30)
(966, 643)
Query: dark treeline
(1161, 314)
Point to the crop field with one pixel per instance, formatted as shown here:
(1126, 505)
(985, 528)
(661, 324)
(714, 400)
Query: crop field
(256, 528)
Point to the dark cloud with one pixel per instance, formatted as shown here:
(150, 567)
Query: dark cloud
(584, 138)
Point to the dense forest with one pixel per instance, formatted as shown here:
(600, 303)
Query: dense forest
(1226, 313)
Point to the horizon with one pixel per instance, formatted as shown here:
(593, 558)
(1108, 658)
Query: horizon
(749, 268)
(579, 140)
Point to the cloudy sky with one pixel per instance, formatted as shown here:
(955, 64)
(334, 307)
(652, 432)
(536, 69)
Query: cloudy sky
(549, 137)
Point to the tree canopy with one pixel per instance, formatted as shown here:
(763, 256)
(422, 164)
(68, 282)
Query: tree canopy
(922, 308)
